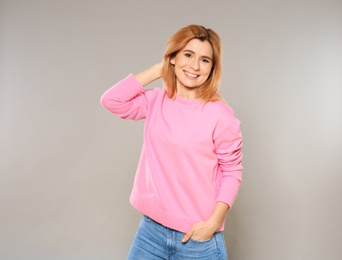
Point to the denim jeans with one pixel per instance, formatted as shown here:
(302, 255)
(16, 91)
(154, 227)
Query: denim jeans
(154, 241)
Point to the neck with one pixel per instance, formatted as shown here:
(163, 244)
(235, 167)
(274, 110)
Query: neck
(186, 93)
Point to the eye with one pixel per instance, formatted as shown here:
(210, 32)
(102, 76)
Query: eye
(206, 60)
(188, 55)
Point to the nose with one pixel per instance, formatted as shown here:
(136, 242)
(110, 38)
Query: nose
(195, 64)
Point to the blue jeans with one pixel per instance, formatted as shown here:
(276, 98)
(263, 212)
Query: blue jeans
(154, 241)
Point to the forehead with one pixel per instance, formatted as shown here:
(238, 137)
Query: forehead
(201, 48)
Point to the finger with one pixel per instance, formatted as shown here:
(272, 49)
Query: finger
(187, 236)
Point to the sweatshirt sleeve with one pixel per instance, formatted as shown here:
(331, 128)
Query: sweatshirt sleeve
(126, 99)
(228, 143)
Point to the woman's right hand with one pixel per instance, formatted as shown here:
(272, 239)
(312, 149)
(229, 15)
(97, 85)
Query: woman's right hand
(151, 74)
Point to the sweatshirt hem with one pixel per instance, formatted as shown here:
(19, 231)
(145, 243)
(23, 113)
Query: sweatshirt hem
(164, 218)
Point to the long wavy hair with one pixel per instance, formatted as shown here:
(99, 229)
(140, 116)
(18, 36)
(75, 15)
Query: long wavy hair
(209, 90)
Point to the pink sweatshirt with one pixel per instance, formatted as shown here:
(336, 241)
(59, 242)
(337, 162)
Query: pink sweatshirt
(191, 156)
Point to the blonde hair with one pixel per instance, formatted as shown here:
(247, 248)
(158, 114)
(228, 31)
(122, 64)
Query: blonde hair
(209, 90)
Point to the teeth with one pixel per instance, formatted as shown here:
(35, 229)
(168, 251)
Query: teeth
(191, 75)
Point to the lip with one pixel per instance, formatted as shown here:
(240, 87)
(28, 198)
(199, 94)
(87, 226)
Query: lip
(191, 75)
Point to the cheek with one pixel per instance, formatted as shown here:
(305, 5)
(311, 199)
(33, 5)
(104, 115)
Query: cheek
(180, 63)
(207, 70)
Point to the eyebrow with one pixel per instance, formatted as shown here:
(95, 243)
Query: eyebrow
(206, 57)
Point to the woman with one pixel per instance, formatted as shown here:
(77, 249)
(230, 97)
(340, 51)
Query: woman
(189, 171)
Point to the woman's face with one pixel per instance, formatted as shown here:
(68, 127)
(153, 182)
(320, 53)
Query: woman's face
(192, 66)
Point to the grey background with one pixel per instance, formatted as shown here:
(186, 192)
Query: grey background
(67, 165)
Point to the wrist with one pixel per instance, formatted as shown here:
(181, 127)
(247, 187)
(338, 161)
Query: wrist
(149, 75)
(156, 71)
(218, 216)
(214, 224)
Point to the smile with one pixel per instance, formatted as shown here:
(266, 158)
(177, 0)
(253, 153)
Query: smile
(191, 75)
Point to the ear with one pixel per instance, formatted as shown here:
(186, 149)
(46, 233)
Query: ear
(172, 61)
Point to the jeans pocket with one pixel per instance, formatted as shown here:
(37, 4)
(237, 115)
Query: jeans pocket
(201, 241)
(211, 248)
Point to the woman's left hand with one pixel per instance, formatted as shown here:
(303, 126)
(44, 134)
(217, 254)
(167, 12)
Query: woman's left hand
(200, 231)
(205, 229)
